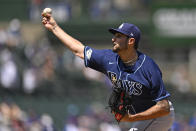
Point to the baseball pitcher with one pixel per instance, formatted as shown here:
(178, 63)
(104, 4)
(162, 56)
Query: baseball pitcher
(139, 95)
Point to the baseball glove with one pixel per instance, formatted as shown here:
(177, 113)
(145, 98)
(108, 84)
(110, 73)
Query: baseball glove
(119, 103)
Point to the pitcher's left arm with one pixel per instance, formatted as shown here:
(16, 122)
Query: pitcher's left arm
(161, 108)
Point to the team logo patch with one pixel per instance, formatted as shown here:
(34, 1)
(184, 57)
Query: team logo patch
(89, 53)
(131, 34)
(114, 79)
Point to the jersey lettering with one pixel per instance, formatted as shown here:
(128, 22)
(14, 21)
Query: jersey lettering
(120, 83)
(113, 77)
(137, 89)
(132, 87)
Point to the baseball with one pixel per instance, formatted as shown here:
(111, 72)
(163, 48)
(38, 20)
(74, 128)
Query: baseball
(47, 11)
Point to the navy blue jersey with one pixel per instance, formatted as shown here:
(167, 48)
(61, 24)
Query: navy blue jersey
(142, 81)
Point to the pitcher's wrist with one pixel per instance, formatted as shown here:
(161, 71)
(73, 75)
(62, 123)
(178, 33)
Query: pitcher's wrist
(54, 27)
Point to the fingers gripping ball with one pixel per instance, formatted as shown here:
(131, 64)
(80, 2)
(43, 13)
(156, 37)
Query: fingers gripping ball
(47, 11)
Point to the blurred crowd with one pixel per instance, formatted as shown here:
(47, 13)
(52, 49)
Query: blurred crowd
(64, 10)
(23, 64)
(96, 118)
(31, 65)
(13, 118)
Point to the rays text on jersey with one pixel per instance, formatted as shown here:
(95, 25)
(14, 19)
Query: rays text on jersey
(131, 87)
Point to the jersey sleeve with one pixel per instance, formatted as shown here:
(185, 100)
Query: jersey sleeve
(95, 59)
(157, 89)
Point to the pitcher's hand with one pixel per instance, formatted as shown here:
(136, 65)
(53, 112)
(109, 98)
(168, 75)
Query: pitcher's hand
(48, 21)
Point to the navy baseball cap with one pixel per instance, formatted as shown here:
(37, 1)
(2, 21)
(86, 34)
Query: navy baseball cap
(129, 30)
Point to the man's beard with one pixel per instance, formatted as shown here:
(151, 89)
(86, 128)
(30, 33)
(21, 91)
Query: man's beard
(115, 50)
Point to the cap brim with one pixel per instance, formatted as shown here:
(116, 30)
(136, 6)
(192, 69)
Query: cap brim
(114, 31)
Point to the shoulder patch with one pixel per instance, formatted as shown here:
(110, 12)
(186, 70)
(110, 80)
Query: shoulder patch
(89, 53)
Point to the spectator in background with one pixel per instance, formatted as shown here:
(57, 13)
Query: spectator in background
(42, 63)
(122, 6)
(71, 123)
(70, 127)
(14, 33)
(12, 36)
(109, 127)
(18, 118)
(62, 9)
(12, 117)
(75, 8)
(100, 9)
(30, 81)
(180, 79)
(47, 122)
(35, 8)
(8, 70)
(33, 121)
(192, 122)
(3, 37)
(180, 124)
(5, 113)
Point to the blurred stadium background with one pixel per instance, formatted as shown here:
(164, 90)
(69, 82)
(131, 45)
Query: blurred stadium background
(44, 87)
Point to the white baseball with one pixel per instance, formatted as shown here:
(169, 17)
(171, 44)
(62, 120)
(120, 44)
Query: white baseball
(47, 11)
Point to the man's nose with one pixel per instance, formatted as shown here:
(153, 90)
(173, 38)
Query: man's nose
(113, 39)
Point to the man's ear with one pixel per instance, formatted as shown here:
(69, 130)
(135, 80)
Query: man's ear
(131, 41)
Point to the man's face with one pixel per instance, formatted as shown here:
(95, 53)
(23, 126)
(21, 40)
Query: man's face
(120, 42)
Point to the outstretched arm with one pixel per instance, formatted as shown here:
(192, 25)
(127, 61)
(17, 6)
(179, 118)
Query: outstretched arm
(74, 45)
(162, 108)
